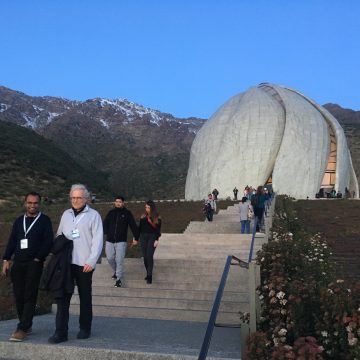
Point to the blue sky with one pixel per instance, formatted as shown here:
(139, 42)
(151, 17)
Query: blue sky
(182, 57)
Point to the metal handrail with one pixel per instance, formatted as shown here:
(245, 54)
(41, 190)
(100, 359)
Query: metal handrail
(252, 241)
(212, 320)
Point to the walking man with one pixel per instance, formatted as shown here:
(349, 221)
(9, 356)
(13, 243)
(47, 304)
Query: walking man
(82, 225)
(29, 243)
(116, 225)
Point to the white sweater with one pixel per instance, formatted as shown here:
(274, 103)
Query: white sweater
(243, 209)
(88, 246)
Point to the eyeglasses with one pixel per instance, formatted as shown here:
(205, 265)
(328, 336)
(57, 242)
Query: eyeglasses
(76, 198)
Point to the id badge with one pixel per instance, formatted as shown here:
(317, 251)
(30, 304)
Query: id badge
(23, 243)
(75, 234)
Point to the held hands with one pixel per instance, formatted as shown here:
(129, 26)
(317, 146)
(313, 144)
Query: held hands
(87, 268)
(156, 243)
(134, 242)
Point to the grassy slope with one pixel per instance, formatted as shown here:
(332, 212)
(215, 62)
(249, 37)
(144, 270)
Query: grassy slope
(30, 162)
(338, 222)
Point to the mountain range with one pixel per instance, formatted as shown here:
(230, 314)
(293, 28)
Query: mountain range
(114, 146)
(140, 152)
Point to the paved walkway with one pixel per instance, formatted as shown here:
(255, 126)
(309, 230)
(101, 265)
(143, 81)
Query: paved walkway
(120, 338)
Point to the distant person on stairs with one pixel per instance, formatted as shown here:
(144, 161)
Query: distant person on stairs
(235, 191)
(210, 206)
(149, 234)
(258, 203)
(246, 214)
(82, 225)
(116, 225)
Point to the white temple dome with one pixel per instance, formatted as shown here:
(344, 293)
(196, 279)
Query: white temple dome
(270, 134)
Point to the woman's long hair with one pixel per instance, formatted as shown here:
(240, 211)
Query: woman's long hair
(154, 214)
(259, 190)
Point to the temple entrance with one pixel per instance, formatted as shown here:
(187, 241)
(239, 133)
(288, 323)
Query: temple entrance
(328, 182)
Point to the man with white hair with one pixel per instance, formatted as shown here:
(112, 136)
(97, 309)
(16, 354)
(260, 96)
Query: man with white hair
(82, 225)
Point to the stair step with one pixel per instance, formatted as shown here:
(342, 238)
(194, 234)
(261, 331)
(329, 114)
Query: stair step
(161, 303)
(159, 314)
(209, 285)
(167, 293)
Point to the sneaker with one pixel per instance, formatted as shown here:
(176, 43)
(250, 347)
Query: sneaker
(114, 276)
(18, 336)
(118, 283)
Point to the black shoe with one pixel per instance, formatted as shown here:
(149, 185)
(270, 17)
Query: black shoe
(114, 276)
(83, 334)
(118, 283)
(149, 280)
(57, 338)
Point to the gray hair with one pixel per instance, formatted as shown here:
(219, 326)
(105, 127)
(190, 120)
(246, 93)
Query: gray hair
(80, 187)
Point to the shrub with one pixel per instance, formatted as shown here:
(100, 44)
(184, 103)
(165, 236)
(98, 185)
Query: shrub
(307, 313)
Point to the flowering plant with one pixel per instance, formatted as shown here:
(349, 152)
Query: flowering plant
(307, 313)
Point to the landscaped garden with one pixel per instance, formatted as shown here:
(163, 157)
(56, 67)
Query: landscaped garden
(309, 311)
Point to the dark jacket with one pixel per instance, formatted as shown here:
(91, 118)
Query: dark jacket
(57, 277)
(40, 239)
(116, 225)
(147, 228)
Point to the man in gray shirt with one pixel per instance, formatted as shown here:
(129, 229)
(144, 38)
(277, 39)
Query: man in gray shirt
(82, 225)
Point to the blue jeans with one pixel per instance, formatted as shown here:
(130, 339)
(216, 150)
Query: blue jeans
(245, 226)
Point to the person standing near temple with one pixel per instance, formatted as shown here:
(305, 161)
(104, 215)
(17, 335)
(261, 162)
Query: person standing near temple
(235, 191)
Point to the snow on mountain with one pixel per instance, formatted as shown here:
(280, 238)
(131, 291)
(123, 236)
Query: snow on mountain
(131, 110)
(4, 107)
(104, 123)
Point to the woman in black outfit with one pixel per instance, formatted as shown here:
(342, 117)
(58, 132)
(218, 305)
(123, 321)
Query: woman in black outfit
(149, 233)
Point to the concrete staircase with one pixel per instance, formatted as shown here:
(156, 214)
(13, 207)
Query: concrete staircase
(162, 321)
(187, 271)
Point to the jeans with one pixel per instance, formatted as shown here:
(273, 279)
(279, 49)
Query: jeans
(209, 215)
(115, 254)
(147, 247)
(259, 213)
(83, 282)
(25, 277)
(245, 226)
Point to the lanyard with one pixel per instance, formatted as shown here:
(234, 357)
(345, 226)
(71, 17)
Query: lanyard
(78, 218)
(32, 224)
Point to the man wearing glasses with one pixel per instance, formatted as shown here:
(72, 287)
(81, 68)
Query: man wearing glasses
(29, 243)
(82, 225)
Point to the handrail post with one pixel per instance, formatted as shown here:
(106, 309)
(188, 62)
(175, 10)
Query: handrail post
(209, 330)
(254, 275)
(244, 334)
(252, 241)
